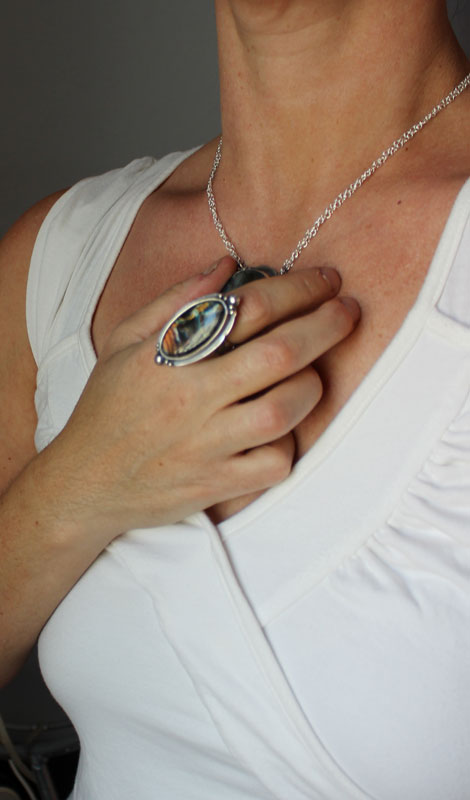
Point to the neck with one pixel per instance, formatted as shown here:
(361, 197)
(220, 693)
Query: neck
(312, 91)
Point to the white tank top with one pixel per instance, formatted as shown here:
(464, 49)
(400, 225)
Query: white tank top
(315, 645)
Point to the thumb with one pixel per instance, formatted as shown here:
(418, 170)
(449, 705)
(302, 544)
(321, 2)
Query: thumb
(148, 320)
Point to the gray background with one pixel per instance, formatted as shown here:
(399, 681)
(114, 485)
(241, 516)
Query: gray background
(89, 85)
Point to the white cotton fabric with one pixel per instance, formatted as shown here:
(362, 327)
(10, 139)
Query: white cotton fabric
(315, 645)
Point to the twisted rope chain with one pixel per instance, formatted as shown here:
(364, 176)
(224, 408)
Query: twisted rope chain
(310, 233)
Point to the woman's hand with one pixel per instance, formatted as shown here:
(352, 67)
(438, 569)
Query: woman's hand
(149, 445)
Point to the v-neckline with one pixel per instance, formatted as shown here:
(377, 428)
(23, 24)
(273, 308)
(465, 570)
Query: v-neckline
(381, 371)
(375, 379)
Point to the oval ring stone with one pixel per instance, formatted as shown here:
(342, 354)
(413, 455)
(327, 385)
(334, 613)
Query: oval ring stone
(196, 330)
(194, 327)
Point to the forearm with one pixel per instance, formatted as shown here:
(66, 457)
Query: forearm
(44, 551)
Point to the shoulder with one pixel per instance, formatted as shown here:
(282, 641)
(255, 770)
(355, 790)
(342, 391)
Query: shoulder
(16, 249)
(70, 209)
(19, 240)
(39, 254)
(17, 365)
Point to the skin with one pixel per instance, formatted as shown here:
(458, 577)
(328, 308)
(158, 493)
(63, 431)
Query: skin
(303, 88)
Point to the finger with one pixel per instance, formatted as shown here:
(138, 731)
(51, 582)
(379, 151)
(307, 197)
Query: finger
(264, 466)
(288, 348)
(249, 477)
(149, 319)
(270, 416)
(264, 302)
(268, 301)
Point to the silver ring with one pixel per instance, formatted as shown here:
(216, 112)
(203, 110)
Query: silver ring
(197, 330)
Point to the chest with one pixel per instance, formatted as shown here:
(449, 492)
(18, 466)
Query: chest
(382, 251)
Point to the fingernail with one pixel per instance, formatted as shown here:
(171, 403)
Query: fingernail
(331, 276)
(210, 269)
(353, 307)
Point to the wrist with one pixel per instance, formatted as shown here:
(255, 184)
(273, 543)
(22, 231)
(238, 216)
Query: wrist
(57, 503)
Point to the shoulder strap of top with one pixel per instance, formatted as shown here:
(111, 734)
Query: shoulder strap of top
(73, 251)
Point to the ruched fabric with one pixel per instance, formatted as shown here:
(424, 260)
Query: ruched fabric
(315, 646)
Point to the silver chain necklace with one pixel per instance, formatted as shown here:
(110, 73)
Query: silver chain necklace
(310, 233)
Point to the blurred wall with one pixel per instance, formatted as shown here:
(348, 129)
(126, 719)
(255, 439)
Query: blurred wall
(89, 85)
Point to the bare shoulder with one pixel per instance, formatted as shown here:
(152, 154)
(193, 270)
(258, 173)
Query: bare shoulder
(17, 365)
(17, 245)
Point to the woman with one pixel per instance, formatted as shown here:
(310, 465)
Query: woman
(309, 641)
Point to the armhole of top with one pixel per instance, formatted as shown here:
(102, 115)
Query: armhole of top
(67, 230)
(60, 240)
(38, 298)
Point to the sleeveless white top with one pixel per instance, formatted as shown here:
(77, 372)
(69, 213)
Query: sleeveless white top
(317, 644)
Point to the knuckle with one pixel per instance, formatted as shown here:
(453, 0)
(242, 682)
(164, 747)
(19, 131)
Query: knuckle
(339, 317)
(257, 305)
(114, 342)
(280, 464)
(278, 354)
(273, 418)
(316, 385)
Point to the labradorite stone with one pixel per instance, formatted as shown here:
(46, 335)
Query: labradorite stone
(193, 328)
(247, 275)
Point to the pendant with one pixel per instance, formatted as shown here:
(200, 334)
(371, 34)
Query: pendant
(246, 275)
(197, 330)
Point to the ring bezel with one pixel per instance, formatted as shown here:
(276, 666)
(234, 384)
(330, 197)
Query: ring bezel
(208, 346)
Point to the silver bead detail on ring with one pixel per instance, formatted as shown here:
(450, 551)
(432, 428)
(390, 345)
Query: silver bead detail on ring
(197, 330)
